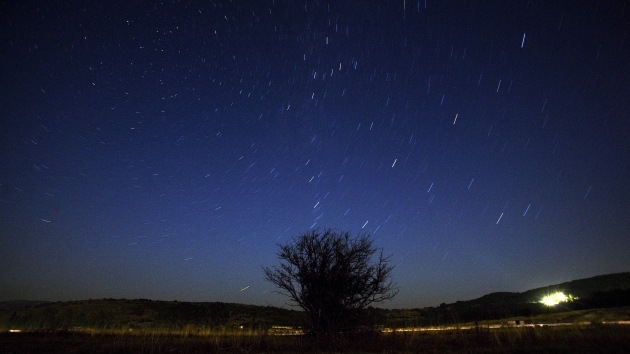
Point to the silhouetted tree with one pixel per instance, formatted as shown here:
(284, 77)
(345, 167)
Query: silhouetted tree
(333, 277)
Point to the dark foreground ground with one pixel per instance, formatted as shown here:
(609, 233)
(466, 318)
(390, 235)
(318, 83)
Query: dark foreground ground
(574, 339)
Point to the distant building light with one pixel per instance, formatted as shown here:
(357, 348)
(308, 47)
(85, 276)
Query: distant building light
(555, 299)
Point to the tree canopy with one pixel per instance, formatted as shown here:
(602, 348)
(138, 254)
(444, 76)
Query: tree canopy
(333, 277)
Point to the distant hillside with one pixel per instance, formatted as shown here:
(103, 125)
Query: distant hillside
(612, 290)
(583, 288)
(144, 314)
(16, 304)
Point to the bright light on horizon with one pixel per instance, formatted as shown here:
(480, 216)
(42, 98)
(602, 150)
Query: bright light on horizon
(555, 298)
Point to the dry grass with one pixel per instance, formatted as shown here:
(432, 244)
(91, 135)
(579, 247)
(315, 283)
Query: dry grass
(574, 339)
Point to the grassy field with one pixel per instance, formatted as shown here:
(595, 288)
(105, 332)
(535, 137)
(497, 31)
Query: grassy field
(574, 339)
(142, 326)
(240, 336)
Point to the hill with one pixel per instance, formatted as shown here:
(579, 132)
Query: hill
(612, 290)
(604, 291)
(144, 314)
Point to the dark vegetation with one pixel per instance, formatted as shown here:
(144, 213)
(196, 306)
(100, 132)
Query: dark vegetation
(333, 278)
(112, 314)
(145, 326)
(605, 291)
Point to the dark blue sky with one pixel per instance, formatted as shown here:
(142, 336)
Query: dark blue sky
(163, 151)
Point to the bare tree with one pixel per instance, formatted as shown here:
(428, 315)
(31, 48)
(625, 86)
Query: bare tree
(333, 277)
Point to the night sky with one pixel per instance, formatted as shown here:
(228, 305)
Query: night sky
(163, 151)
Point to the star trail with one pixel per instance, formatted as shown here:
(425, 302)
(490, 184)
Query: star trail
(164, 150)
